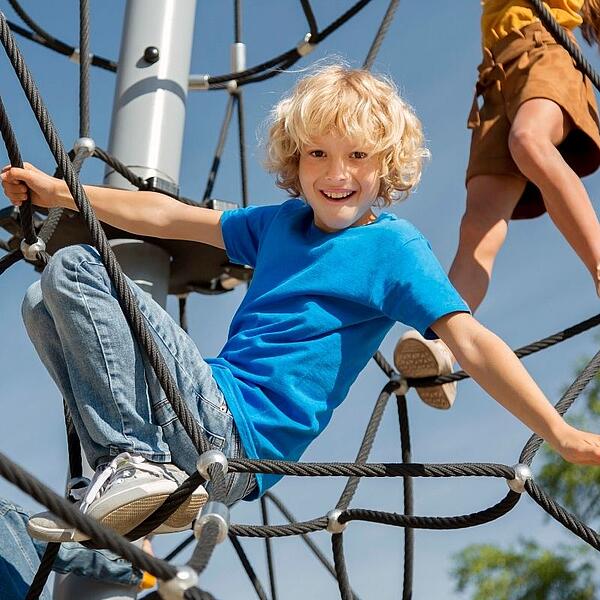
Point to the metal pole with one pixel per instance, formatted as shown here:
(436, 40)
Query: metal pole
(147, 135)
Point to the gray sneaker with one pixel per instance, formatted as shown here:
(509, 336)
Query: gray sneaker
(120, 496)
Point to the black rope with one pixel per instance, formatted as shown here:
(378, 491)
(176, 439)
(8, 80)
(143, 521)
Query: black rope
(310, 19)
(126, 299)
(338, 469)
(40, 36)
(258, 588)
(561, 36)
(44, 569)
(381, 33)
(183, 320)
(66, 511)
(242, 147)
(563, 516)
(522, 352)
(212, 176)
(312, 546)
(567, 399)
(84, 68)
(407, 484)
(268, 550)
(337, 546)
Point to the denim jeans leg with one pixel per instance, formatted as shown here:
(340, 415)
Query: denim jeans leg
(20, 558)
(78, 328)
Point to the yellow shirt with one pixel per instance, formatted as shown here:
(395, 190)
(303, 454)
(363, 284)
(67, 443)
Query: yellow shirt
(500, 17)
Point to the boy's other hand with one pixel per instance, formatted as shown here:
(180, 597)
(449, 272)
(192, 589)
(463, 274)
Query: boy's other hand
(43, 189)
(578, 447)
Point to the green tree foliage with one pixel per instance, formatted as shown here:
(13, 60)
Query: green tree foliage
(527, 571)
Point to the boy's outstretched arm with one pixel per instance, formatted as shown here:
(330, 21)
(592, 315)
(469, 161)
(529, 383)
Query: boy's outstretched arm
(494, 366)
(142, 213)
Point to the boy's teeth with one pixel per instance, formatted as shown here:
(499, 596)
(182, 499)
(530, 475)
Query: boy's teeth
(337, 195)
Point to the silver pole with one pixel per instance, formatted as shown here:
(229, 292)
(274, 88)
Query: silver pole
(147, 135)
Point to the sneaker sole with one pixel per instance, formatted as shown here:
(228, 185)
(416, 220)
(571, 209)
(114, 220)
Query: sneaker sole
(415, 359)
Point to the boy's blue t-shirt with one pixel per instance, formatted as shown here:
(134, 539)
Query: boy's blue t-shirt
(317, 309)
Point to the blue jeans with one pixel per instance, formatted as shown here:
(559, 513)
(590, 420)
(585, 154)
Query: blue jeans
(81, 335)
(20, 558)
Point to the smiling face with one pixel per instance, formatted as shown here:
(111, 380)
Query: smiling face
(339, 180)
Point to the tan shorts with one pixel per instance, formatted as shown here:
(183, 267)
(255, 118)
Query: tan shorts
(529, 64)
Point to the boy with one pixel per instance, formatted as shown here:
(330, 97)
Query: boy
(313, 315)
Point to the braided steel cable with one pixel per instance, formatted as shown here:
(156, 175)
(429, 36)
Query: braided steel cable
(337, 547)
(561, 36)
(268, 550)
(214, 169)
(565, 402)
(239, 550)
(339, 469)
(313, 547)
(365, 446)
(522, 352)
(84, 68)
(71, 515)
(457, 522)
(14, 155)
(40, 36)
(242, 147)
(310, 19)
(408, 498)
(120, 168)
(242, 76)
(126, 299)
(381, 33)
(563, 516)
(41, 576)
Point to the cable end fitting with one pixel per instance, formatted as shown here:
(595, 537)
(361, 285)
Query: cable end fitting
(213, 512)
(232, 86)
(305, 46)
(402, 388)
(333, 521)
(522, 475)
(174, 589)
(208, 459)
(85, 145)
(30, 251)
(198, 82)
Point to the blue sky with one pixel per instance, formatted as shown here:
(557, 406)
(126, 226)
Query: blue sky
(431, 51)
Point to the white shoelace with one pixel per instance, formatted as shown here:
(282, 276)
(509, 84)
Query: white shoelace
(120, 467)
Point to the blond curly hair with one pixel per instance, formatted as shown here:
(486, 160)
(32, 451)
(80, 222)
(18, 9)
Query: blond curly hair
(352, 103)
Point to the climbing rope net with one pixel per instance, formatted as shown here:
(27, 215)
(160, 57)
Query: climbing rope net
(213, 524)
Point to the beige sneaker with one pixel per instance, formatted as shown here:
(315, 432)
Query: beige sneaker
(415, 356)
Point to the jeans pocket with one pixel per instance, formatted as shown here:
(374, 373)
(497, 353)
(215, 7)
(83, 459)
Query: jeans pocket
(212, 421)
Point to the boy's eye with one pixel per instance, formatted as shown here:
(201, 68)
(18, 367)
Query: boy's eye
(317, 153)
(358, 154)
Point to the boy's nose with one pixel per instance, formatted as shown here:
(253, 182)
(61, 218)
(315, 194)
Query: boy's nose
(336, 170)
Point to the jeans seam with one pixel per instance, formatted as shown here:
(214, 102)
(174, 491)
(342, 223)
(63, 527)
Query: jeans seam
(90, 313)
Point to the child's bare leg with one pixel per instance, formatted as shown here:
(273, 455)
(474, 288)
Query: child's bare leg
(491, 200)
(539, 126)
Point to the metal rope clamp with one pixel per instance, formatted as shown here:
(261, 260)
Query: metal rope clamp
(174, 589)
(305, 46)
(402, 388)
(208, 459)
(30, 251)
(333, 521)
(213, 512)
(85, 145)
(522, 475)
